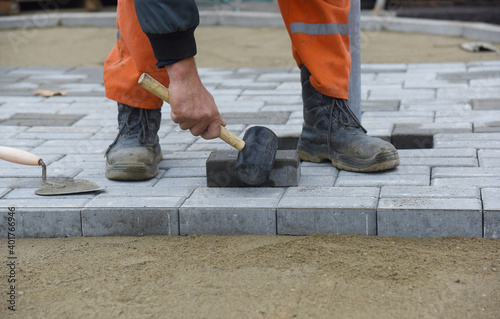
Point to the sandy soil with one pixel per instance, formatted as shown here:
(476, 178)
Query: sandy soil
(321, 276)
(224, 47)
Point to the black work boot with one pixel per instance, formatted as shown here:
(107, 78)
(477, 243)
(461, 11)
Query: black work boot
(136, 151)
(332, 132)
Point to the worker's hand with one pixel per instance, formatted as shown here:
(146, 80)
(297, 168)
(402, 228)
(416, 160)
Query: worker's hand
(193, 107)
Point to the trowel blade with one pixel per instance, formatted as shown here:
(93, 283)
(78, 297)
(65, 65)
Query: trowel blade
(68, 186)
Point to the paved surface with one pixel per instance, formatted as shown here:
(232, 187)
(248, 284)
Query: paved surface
(451, 186)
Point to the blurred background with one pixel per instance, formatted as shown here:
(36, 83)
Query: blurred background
(464, 10)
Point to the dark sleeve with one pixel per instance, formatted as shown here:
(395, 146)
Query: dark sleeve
(169, 25)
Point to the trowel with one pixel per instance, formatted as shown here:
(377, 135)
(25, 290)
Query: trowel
(59, 186)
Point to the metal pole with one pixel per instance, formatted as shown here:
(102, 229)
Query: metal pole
(355, 47)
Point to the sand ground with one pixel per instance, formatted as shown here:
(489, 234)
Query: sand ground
(320, 276)
(224, 46)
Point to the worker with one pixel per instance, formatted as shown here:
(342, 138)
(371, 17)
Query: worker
(157, 37)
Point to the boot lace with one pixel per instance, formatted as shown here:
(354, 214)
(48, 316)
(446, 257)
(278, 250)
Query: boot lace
(128, 129)
(345, 116)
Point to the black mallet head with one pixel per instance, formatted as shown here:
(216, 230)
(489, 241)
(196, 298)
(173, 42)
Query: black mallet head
(256, 160)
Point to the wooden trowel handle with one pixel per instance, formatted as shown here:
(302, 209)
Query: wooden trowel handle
(158, 89)
(18, 156)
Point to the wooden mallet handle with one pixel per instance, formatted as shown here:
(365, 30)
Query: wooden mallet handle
(158, 89)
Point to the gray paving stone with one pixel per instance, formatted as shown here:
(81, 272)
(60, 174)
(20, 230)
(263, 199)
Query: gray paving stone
(471, 140)
(278, 77)
(420, 84)
(309, 221)
(440, 67)
(186, 172)
(180, 163)
(439, 152)
(227, 221)
(316, 180)
(465, 172)
(326, 192)
(380, 105)
(21, 171)
(136, 201)
(382, 68)
(44, 202)
(487, 127)
(230, 211)
(182, 182)
(406, 94)
(476, 92)
(71, 147)
(488, 153)
(272, 99)
(491, 199)
(469, 181)
(491, 206)
(319, 170)
(439, 161)
(43, 222)
(436, 105)
(491, 82)
(428, 192)
(489, 162)
(305, 211)
(429, 217)
(402, 175)
(283, 108)
(262, 117)
(147, 192)
(129, 221)
(97, 19)
(29, 192)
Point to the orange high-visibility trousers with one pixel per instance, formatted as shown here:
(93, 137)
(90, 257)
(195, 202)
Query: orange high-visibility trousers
(131, 56)
(318, 30)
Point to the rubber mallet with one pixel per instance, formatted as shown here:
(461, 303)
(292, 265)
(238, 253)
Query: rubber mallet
(257, 149)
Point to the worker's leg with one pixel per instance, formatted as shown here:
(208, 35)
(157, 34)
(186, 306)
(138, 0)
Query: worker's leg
(320, 41)
(131, 56)
(135, 153)
(319, 32)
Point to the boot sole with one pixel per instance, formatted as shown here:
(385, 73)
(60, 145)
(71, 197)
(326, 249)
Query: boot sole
(379, 162)
(132, 171)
